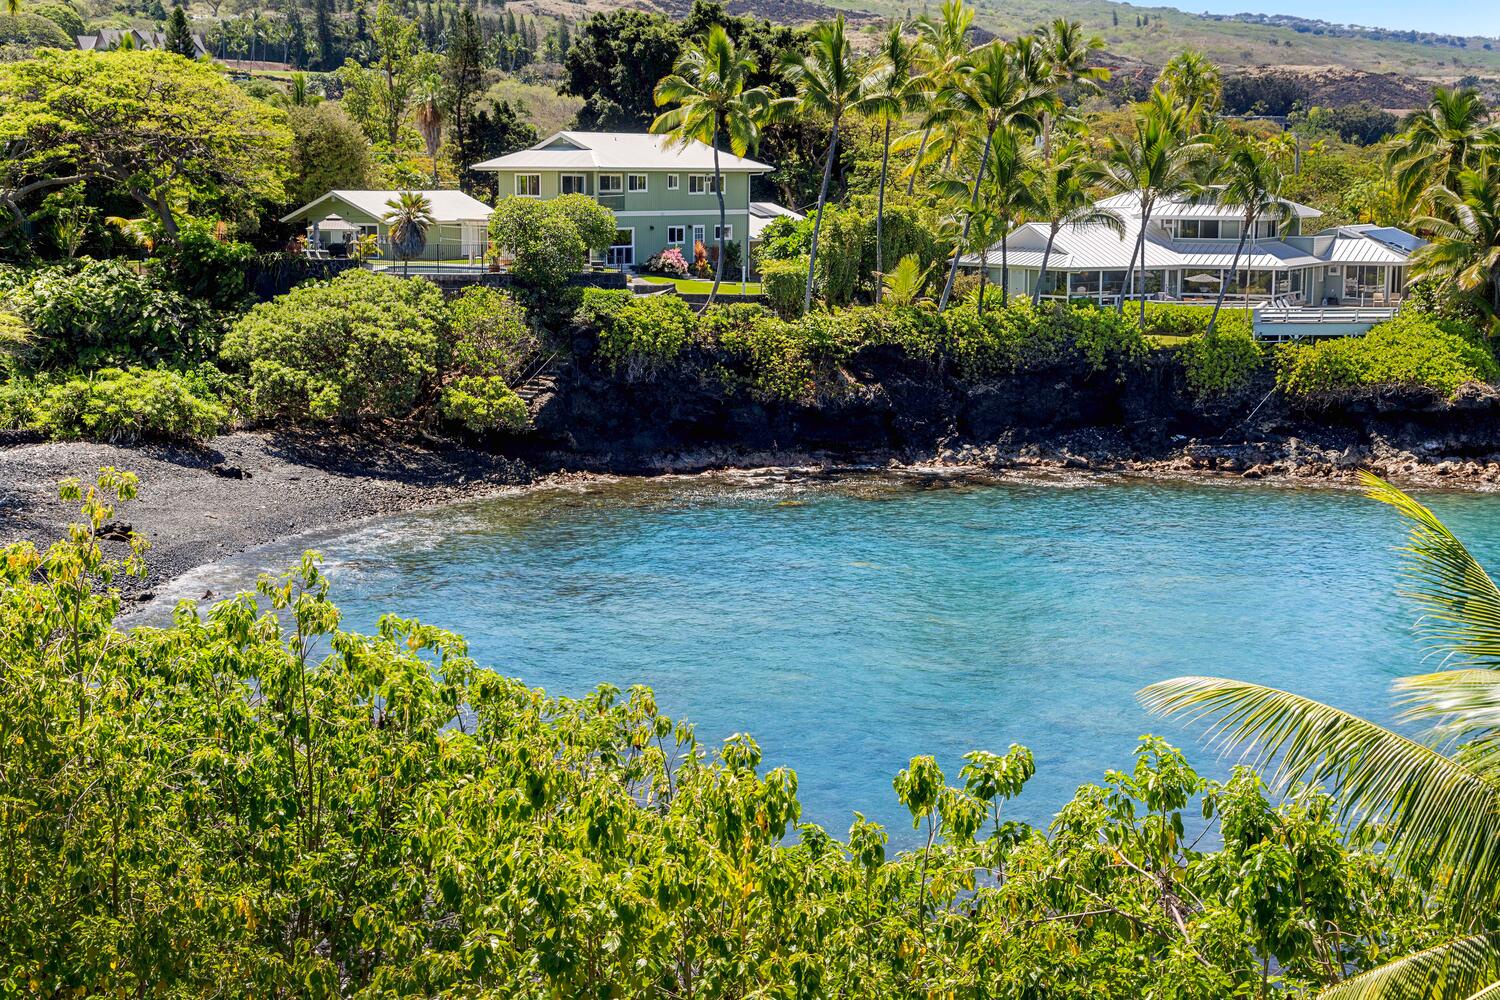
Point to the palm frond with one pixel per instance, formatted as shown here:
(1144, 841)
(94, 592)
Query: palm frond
(1459, 601)
(1435, 809)
(1454, 969)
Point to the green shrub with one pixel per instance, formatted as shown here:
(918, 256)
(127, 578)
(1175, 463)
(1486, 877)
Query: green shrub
(104, 313)
(784, 283)
(1102, 337)
(203, 266)
(1221, 365)
(1410, 350)
(639, 334)
(63, 15)
(483, 403)
(128, 405)
(26, 32)
(364, 344)
(769, 358)
(21, 399)
(1169, 319)
(490, 334)
(1019, 338)
(15, 342)
(840, 253)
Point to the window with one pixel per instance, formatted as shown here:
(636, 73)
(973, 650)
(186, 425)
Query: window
(575, 184)
(728, 233)
(1266, 230)
(1198, 229)
(611, 184)
(622, 252)
(636, 183)
(676, 234)
(1229, 229)
(701, 184)
(529, 185)
(697, 234)
(1208, 229)
(672, 181)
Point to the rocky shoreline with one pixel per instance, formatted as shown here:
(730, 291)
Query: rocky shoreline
(244, 490)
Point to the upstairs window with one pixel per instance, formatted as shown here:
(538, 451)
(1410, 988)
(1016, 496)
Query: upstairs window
(673, 181)
(529, 185)
(611, 184)
(701, 184)
(1266, 230)
(575, 184)
(636, 183)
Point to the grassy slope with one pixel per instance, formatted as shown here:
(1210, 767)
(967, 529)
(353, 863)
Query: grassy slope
(544, 107)
(1229, 43)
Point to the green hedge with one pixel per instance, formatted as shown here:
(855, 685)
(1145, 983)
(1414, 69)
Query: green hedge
(1168, 319)
(1223, 364)
(128, 405)
(1410, 350)
(638, 334)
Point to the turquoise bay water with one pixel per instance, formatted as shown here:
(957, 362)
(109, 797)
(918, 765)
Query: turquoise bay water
(851, 625)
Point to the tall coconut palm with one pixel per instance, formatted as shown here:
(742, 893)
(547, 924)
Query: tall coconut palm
(828, 81)
(945, 47)
(1068, 52)
(1464, 252)
(1064, 195)
(428, 118)
(1251, 182)
(1155, 160)
(1193, 81)
(408, 219)
(1439, 142)
(713, 105)
(893, 89)
(1435, 799)
(1008, 193)
(992, 91)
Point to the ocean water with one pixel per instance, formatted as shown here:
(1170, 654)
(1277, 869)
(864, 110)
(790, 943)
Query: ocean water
(851, 624)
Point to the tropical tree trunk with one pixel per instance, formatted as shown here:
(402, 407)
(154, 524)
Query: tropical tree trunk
(1234, 269)
(984, 273)
(1144, 219)
(916, 165)
(812, 257)
(885, 160)
(1004, 271)
(1036, 294)
(719, 189)
(963, 240)
(1139, 249)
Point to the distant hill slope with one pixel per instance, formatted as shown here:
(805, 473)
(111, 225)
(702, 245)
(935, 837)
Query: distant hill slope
(1250, 42)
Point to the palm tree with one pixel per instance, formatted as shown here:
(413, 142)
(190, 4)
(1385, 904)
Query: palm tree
(1436, 800)
(1067, 52)
(13, 7)
(1464, 252)
(1064, 195)
(708, 87)
(904, 284)
(991, 91)
(1439, 142)
(1251, 181)
(408, 220)
(945, 46)
(891, 90)
(429, 121)
(1154, 161)
(1193, 81)
(1008, 195)
(828, 82)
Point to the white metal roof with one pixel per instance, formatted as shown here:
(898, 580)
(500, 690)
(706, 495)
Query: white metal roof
(763, 212)
(447, 206)
(1095, 247)
(1197, 208)
(619, 151)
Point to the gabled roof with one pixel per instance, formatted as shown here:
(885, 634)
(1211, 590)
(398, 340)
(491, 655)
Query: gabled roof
(447, 206)
(619, 151)
(762, 213)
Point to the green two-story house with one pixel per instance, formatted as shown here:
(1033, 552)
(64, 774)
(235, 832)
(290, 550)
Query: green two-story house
(662, 193)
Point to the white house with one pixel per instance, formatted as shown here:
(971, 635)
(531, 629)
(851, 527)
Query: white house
(1190, 245)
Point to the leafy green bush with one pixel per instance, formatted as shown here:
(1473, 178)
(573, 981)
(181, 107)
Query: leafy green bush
(128, 405)
(483, 403)
(204, 266)
(784, 283)
(1220, 365)
(840, 254)
(550, 239)
(15, 342)
(1410, 350)
(252, 802)
(490, 334)
(26, 32)
(1170, 319)
(364, 344)
(104, 313)
(1019, 338)
(63, 15)
(641, 334)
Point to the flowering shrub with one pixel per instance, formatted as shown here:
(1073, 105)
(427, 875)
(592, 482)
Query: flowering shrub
(669, 262)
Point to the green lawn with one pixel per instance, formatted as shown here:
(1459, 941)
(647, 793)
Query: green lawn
(697, 286)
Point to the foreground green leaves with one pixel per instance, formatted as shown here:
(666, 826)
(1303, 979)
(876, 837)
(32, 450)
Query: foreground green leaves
(252, 802)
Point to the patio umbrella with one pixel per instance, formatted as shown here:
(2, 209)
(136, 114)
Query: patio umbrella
(1203, 279)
